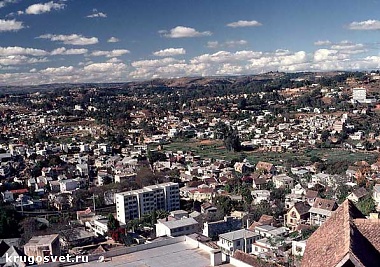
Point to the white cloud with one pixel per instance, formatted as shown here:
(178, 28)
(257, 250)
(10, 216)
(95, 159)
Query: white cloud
(43, 8)
(113, 40)
(322, 42)
(231, 43)
(184, 32)
(97, 15)
(64, 51)
(10, 25)
(154, 63)
(20, 60)
(236, 43)
(112, 53)
(349, 47)
(104, 67)
(6, 2)
(114, 60)
(169, 52)
(73, 39)
(244, 23)
(58, 71)
(365, 25)
(212, 44)
(16, 50)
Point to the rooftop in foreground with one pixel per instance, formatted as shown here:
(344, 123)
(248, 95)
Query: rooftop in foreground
(174, 255)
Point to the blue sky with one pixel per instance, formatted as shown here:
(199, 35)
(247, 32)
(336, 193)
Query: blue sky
(124, 40)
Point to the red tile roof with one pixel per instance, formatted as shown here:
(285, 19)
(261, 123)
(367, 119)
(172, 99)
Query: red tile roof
(345, 238)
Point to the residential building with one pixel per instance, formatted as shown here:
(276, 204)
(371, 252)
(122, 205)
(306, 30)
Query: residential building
(228, 224)
(298, 248)
(69, 185)
(260, 195)
(76, 237)
(358, 194)
(136, 203)
(297, 214)
(376, 194)
(266, 167)
(237, 240)
(40, 246)
(347, 238)
(207, 208)
(283, 180)
(176, 227)
(321, 211)
(270, 231)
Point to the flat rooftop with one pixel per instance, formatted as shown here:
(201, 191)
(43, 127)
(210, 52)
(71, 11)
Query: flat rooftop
(174, 255)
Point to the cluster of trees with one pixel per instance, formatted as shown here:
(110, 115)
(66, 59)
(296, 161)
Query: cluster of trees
(9, 222)
(229, 136)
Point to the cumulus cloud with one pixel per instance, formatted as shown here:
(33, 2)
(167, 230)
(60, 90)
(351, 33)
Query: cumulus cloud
(17, 50)
(64, 51)
(236, 43)
(322, 42)
(97, 15)
(112, 53)
(184, 32)
(73, 39)
(169, 52)
(152, 63)
(212, 44)
(366, 25)
(231, 43)
(40, 8)
(349, 47)
(58, 71)
(244, 23)
(10, 25)
(113, 40)
(20, 60)
(104, 67)
(7, 2)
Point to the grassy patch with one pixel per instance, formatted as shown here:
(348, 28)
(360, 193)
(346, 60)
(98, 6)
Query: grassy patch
(215, 149)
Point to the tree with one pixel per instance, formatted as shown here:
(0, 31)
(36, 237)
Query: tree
(366, 205)
(9, 223)
(246, 194)
(112, 223)
(224, 204)
(232, 141)
(260, 209)
(342, 192)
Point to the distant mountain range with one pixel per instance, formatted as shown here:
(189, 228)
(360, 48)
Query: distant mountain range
(185, 82)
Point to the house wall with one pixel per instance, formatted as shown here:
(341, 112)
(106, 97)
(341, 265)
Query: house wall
(238, 263)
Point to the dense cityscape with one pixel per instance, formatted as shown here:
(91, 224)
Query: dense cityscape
(189, 133)
(248, 169)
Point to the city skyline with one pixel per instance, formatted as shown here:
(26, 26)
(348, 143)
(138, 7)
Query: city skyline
(118, 41)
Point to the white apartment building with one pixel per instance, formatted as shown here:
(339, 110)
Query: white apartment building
(241, 239)
(134, 204)
(184, 226)
(359, 94)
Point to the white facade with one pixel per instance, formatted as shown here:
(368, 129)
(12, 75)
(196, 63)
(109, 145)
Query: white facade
(136, 203)
(175, 228)
(237, 240)
(359, 94)
(68, 185)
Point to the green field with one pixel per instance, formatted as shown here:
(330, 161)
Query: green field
(215, 149)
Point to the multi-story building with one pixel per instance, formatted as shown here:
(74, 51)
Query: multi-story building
(134, 204)
(321, 211)
(237, 240)
(359, 95)
(40, 246)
